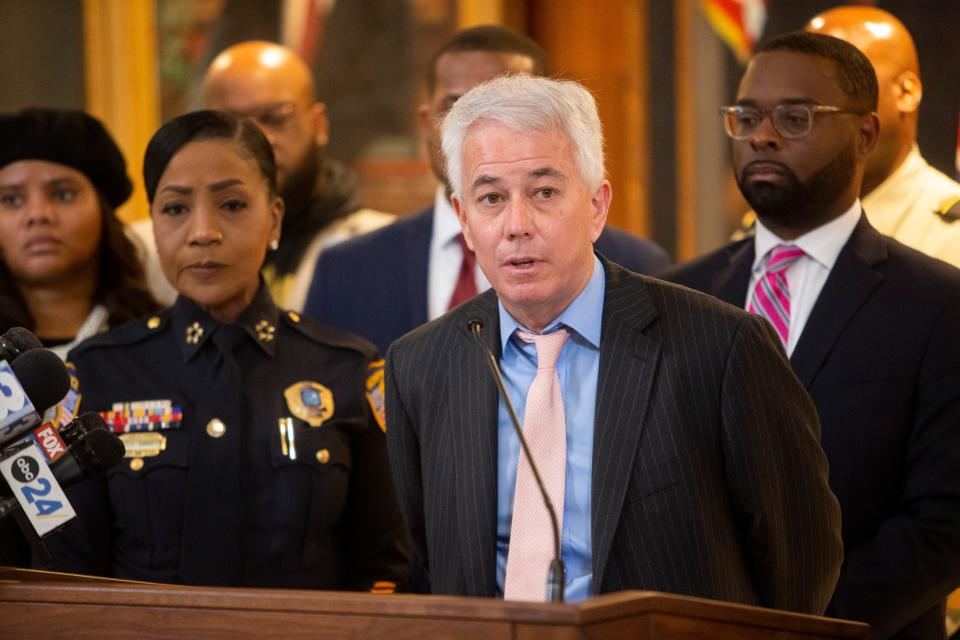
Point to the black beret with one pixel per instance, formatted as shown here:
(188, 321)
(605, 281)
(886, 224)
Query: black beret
(73, 138)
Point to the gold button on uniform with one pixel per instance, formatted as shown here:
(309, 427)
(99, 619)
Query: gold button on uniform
(136, 464)
(294, 316)
(153, 322)
(216, 428)
(323, 456)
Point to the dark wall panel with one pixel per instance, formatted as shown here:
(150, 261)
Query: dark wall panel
(41, 54)
(663, 121)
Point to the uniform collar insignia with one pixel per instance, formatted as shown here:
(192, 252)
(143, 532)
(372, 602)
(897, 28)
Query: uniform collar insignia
(193, 333)
(260, 319)
(193, 326)
(265, 331)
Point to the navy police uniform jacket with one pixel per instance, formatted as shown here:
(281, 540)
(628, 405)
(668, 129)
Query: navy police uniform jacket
(255, 456)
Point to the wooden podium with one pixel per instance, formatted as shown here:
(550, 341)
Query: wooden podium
(38, 604)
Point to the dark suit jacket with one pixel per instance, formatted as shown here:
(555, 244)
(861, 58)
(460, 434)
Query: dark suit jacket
(701, 485)
(880, 356)
(376, 285)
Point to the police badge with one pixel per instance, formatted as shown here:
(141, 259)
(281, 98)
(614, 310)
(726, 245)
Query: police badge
(310, 401)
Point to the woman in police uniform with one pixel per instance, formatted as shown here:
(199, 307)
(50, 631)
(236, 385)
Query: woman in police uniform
(255, 445)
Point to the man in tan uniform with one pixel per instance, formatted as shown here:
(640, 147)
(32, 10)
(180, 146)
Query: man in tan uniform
(902, 195)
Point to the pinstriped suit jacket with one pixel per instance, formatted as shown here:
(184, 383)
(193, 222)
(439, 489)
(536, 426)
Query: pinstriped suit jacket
(708, 476)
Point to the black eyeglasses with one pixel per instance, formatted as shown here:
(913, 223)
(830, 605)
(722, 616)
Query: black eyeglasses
(790, 120)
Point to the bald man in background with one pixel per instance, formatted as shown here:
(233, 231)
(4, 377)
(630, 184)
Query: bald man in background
(903, 196)
(269, 84)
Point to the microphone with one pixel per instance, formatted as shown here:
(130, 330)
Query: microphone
(16, 341)
(52, 442)
(81, 426)
(29, 385)
(91, 455)
(557, 573)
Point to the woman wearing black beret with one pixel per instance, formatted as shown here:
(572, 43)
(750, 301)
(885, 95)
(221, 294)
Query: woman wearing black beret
(67, 270)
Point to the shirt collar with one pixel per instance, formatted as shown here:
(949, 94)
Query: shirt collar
(583, 316)
(193, 326)
(446, 224)
(822, 244)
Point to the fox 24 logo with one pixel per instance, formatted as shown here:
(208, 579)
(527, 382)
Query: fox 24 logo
(37, 490)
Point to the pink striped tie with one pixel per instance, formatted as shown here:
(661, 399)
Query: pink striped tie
(771, 295)
(531, 537)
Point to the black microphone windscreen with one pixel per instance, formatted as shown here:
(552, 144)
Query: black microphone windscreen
(90, 456)
(43, 377)
(101, 451)
(81, 426)
(22, 339)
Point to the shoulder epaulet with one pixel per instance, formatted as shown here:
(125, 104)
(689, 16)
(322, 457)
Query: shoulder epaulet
(328, 335)
(747, 228)
(949, 210)
(129, 333)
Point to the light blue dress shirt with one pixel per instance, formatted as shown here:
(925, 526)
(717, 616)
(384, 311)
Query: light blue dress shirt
(577, 368)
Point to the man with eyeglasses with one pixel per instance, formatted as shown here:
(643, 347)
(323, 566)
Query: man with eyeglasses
(274, 88)
(869, 324)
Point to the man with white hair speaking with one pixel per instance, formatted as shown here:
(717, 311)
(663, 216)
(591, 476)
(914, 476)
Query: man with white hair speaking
(677, 447)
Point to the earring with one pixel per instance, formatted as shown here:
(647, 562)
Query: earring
(274, 245)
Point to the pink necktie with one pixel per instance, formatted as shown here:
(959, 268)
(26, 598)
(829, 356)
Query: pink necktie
(771, 295)
(531, 536)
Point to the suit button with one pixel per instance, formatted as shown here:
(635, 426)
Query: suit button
(136, 464)
(216, 428)
(323, 456)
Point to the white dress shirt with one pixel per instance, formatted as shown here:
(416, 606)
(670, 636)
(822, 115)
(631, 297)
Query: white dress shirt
(807, 275)
(445, 257)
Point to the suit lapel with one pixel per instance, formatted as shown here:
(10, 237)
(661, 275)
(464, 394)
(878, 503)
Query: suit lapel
(473, 397)
(417, 270)
(851, 281)
(730, 283)
(628, 362)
